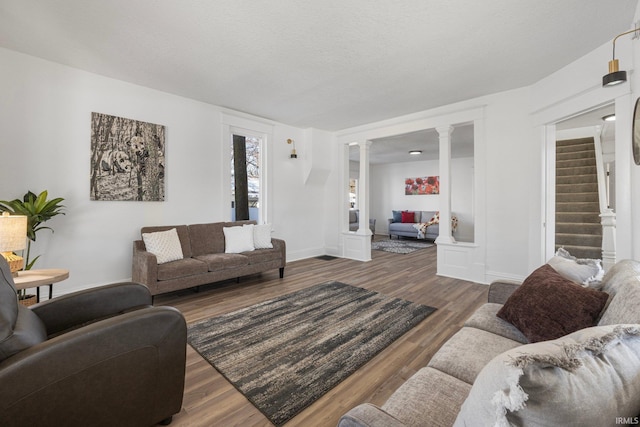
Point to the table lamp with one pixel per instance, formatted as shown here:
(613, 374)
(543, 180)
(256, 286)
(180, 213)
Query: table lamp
(13, 237)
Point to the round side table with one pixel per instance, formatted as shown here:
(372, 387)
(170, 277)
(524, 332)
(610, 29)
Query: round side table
(36, 278)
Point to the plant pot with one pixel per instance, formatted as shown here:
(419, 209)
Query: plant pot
(27, 300)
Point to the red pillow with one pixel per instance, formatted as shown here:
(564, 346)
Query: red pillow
(547, 306)
(408, 216)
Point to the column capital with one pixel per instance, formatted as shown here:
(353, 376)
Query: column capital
(444, 130)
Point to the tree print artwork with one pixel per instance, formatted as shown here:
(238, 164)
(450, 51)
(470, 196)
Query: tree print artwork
(127, 159)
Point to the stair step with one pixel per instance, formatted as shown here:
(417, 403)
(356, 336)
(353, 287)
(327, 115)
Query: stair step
(578, 228)
(575, 163)
(589, 187)
(585, 207)
(574, 141)
(583, 251)
(588, 217)
(577, 197)
(579, 170)
(578, 240)
(574, 155)
(577, 179)
(587, 146)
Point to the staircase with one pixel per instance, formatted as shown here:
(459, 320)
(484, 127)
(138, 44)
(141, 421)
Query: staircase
(578, 227)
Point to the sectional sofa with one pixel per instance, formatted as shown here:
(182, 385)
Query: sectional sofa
(186, 256)
(573, 359)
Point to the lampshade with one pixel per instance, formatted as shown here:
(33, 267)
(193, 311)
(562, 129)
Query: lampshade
(615, 76)
(13, 237)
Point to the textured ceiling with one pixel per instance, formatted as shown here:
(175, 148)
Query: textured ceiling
(329, 64)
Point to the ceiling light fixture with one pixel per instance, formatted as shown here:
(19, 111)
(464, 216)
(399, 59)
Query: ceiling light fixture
(609, 118)
(415, 152)
(616, 76)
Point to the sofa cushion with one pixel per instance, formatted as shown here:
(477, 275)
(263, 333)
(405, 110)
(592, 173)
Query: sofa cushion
(428, 395)
(20, 328)
(216, 262)
(426, 216)
(181, 268)
(396, 216)
(165, 245)
(262, 255)
(547, 306)
(624, 307)
(408, 217)
(238, 239)
(485, 318)
(590, 377)
(207, 238)
(464, 355)
(619, 274)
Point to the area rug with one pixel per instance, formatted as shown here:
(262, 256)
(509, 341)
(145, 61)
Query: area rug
(285, 353)
(400, 246)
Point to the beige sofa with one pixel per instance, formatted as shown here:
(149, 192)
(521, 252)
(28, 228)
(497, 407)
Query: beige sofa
(489, 374)
(204, 259)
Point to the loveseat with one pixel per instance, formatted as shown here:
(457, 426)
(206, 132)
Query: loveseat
(405, 225)
(185, 256)
(493, 373)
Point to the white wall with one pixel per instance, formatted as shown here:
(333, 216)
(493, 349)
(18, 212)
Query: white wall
(45, 112)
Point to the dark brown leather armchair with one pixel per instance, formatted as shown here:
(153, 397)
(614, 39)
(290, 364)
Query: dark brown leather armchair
(100, 357)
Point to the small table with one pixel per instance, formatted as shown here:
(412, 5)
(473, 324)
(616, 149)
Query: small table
(36, 278)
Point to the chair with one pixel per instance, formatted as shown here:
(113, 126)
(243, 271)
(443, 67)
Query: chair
(100, 357)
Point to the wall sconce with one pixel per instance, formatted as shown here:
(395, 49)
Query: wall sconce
(13, 237)
(616, 76)
(293, 155)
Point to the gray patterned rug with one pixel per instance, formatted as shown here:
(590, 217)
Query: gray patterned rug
(285, 353)
(400, 246)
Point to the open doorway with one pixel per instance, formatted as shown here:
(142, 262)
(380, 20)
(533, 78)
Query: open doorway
(581, 172)
(396, 158)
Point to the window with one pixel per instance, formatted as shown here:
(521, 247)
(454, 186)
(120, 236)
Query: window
(245, 177)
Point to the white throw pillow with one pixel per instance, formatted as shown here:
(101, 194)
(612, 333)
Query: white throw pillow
(165, 245)
(238, 239)
(587, 272)
(262, 236)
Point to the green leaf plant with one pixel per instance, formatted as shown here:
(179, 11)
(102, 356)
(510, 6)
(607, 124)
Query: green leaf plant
(38, 210)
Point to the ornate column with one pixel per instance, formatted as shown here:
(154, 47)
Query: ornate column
(363, 189)
(444, 133)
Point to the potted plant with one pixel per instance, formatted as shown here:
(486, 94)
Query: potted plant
(38, 210)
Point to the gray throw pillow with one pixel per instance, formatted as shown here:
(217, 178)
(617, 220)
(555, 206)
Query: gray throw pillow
(588, 378)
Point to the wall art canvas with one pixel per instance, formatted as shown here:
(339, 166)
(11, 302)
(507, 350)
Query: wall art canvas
(422, 185)
(127, 159)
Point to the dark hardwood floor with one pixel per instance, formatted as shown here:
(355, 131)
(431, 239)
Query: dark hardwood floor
(210, 400)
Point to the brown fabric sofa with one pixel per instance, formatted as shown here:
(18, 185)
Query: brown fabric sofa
(489, 374)
(205, 260)
(98, 357)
